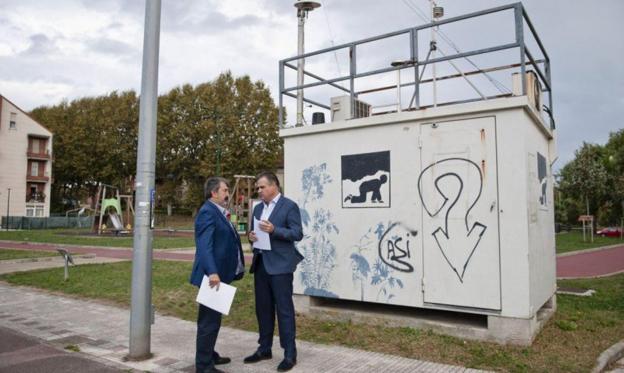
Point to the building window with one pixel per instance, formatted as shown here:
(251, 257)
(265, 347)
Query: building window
(34, 169)
(30, 211)
(38, 211)
(35, 146)
(13, 121)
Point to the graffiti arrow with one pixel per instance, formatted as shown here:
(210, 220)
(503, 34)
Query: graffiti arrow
(459, 246)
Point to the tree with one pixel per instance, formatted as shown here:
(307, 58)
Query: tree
(614, 164)
(95, 141)
(585, 177)
(227, 126)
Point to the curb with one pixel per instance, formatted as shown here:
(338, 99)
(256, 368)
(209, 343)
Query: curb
(589, 277)
(609, 356)
(68, 245)
(61, 245)
(45, 259)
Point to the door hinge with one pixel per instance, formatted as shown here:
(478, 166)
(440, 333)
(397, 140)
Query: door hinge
(422, 284)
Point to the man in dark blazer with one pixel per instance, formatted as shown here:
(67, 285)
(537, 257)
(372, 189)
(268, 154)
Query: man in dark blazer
(273, 270)
(218, 255)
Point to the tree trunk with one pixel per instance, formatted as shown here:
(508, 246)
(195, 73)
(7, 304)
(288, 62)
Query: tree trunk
(169, 209)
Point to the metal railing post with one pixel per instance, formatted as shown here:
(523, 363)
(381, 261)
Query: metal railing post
(280, 97)
(520, 40)
(352, 72)
(414, 57)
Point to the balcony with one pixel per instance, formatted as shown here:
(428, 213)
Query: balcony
(38, 197)
(37, 179)
(38, 156)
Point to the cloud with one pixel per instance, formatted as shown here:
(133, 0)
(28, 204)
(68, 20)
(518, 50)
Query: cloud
(112, 47)
(71, 48)
(40, 45)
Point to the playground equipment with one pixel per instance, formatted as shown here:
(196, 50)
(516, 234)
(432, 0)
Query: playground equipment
(110, 210)
(241, 195)
(80, 212)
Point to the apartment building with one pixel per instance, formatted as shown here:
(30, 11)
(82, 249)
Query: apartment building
(25, 163)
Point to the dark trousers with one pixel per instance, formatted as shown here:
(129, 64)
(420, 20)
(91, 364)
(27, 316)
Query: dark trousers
(274, 293)
(208, 325)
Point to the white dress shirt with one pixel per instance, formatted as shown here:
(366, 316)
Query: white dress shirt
(268, 208)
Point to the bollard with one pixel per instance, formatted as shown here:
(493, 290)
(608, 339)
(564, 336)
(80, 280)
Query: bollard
(68, 259)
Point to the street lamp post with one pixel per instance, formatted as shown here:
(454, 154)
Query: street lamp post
(141, 309)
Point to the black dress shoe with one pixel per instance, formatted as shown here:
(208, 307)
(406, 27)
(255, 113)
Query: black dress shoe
(222, 360)
(213, 370)
(258, 356)
(286, 365)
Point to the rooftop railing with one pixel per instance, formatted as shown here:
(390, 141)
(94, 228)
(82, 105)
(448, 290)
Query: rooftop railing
(525, 59)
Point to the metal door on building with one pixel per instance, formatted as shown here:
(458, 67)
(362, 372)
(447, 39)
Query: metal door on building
(458, 189)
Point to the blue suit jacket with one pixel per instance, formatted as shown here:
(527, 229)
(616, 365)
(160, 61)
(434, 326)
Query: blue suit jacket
(283, 256)
(217, 246)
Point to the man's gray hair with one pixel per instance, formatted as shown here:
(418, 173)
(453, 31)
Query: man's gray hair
(212, 185)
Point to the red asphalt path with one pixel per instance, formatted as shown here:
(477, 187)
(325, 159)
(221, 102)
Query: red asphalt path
(591, 264)
(118, 253)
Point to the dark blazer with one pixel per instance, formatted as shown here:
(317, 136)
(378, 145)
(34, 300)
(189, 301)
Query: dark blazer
(217, 246)
(283, 256)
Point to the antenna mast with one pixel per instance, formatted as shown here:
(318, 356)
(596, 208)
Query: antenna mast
(303, 7)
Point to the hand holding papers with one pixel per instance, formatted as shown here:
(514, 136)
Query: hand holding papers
(218, 300)
(263, 240)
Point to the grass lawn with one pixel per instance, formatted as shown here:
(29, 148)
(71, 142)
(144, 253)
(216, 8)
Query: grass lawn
(573, 240)
(6, 254)
(571, 342)
(74, 237)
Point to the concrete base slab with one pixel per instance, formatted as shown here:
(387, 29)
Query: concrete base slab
(504, 330)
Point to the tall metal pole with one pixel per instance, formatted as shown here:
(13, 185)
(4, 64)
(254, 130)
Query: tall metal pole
(300, 65)
(8, 204)
(141, 303)
(303, 7)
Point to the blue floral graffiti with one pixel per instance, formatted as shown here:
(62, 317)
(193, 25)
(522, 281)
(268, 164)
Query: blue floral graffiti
(381, 273)
(318, 249)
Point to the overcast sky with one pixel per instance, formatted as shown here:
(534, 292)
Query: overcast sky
(67, 49)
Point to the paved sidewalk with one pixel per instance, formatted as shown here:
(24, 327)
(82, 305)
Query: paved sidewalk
(20, 353)
(23, 265)
(102, 331)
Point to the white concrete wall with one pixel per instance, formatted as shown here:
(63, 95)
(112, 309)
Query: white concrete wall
(511, 269)
(14, 161)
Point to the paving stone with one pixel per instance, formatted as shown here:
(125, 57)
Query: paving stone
(102, 330)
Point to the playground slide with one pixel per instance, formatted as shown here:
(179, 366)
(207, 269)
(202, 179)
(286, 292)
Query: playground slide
(116, 221)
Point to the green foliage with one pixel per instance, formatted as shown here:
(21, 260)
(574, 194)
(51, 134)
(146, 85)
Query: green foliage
(566, 325)
(593, 181)
(6, 254)
(573, 241)
(227, 126)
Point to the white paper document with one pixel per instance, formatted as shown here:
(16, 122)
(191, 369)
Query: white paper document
(264, 241)
(218, 300)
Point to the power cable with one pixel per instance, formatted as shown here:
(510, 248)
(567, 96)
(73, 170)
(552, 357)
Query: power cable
(416, 9)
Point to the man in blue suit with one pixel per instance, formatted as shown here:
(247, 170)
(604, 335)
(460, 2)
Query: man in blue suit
(218, 255)
(273, 270)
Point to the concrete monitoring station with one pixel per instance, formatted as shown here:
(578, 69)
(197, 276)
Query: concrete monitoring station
(424, 176)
